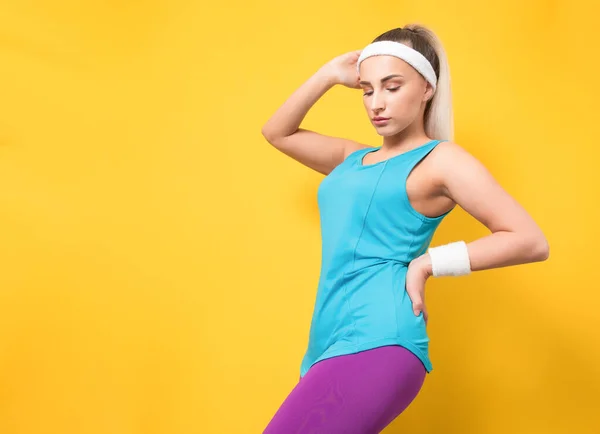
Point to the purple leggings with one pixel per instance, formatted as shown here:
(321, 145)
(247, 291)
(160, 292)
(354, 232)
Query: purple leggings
(357, 393)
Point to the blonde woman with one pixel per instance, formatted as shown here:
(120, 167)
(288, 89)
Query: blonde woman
(367, 356)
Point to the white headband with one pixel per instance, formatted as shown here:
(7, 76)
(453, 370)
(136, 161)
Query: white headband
(404, 52)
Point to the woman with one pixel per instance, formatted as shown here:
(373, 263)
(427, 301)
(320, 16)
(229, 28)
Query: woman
(367, 356)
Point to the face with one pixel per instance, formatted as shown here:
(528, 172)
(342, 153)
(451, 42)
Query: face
(401, 96)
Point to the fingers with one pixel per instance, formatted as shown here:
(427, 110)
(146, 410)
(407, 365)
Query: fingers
(415, 287)
(418, 307)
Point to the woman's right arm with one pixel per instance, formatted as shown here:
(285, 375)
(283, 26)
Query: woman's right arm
(317, 151)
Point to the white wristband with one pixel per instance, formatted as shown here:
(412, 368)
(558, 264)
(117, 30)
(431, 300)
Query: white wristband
(450, 260)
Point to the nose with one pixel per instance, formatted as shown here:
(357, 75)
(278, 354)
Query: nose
(377, 102)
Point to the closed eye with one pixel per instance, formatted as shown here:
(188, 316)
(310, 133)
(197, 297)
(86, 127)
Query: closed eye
(391, 89)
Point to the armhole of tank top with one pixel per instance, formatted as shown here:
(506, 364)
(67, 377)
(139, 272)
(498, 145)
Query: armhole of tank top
(404, 194)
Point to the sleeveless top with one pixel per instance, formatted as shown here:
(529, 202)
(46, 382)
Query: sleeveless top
(370, 233)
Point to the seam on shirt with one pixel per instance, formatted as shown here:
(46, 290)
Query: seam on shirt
(362, 229)
(408, 259)
(412, 242)
(354, 252)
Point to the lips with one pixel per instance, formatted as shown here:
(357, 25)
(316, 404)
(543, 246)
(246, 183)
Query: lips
(380, 122)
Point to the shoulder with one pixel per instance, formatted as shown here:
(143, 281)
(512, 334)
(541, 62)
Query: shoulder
(447, 149)
(455, 167)
(450, 156)
(449, 159)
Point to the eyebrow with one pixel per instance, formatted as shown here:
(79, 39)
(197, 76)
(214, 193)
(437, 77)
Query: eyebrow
(383, 79)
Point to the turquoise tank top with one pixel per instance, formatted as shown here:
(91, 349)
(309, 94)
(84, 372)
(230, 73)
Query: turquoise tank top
(370, 233)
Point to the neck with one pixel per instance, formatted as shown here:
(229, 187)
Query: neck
(410, 137)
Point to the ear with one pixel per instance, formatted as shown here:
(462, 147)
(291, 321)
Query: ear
(428, 92)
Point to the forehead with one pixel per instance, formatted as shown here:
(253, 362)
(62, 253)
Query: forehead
(376, 67)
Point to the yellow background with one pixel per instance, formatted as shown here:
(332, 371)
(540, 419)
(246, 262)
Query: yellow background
(159, 259)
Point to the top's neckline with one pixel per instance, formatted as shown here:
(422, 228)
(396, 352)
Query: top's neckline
(361, 157)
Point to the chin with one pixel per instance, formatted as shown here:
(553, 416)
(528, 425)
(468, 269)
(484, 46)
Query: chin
(387, 131)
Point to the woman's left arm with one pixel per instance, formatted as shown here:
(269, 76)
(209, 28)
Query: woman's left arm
(515, 238)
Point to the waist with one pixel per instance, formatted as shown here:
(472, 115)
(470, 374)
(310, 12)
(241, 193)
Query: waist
(366, 262)
(336, 276)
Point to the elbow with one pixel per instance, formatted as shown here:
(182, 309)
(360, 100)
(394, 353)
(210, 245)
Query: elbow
(265, 132)
(268, 135)
(273, 137)
(268, 130)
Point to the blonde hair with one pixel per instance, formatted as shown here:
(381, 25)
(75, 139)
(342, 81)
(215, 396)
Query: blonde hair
(438, 116)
